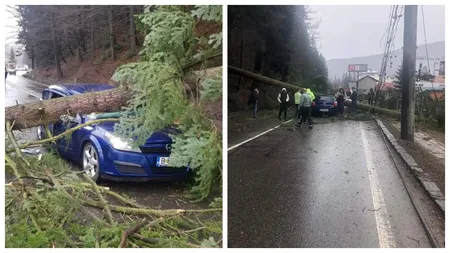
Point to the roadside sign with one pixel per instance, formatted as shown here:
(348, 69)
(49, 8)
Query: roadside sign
(357, 68)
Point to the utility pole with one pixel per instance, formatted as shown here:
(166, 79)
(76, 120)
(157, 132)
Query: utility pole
(409, 70)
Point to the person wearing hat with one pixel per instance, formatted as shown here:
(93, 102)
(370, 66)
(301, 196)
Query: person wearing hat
(305, 108)
(283, 98)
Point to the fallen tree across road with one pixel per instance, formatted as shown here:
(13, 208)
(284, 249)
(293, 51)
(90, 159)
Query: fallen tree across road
(48, 111)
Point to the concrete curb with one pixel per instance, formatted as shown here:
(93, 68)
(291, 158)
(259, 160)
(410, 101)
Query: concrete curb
(430, 187)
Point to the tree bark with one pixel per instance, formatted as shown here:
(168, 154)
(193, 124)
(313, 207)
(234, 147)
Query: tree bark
(132, 32)
(47, 111)
(56, 50)
(111, 32)
(261, 78)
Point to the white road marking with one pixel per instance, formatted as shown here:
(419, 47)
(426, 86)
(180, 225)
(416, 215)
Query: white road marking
(385, 236)
(263, 133)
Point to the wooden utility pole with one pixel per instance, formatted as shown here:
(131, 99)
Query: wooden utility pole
(408, 81)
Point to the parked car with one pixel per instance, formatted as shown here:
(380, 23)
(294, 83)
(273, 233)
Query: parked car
(324, 105)
(11, 71)
(105, 155)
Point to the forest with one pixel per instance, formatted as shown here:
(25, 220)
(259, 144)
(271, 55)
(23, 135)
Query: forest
(278, 42)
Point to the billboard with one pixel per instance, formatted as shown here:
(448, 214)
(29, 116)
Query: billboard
(357, 68)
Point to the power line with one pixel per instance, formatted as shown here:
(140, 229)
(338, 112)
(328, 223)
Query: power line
(426, 51)
(389, 47)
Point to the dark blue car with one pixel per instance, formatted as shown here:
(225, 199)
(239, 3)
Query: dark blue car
(103, 154)
(324, 105)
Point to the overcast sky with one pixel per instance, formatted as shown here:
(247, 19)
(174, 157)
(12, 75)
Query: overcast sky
(352, 31)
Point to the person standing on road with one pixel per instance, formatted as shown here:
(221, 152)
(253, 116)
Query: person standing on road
(283, 98)
(297, 96)
(6, 74)
(371, 96)
(340, 99)
(253, 99)
(256, 101)
(354, 98)
(305, 108)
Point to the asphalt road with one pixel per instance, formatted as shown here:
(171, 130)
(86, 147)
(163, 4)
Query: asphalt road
(19, 90)
(333, 186)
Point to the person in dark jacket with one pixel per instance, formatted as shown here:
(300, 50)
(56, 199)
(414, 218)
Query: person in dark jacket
(354, 98)
(255, 96)
(283, 98)
(6, 73)
(371, 96)
(340, 99)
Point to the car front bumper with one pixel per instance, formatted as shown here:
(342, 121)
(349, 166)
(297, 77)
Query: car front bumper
(133, 166)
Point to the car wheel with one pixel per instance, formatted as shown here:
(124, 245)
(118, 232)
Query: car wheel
(91, 163)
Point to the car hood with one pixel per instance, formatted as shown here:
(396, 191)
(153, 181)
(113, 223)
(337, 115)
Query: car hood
(157, 137)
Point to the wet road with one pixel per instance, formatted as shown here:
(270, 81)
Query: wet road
(334, 186)
(19, 90)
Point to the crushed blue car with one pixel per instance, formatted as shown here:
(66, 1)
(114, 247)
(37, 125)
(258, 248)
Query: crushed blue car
(103, 154)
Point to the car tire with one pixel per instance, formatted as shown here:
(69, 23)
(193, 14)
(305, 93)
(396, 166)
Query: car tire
(90, 161)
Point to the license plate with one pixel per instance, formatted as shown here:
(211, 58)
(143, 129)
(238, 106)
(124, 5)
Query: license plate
(162, 161)
(324, 110)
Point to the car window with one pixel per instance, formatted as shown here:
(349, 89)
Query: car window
(326, 98)
(55, 95)
(46, 95)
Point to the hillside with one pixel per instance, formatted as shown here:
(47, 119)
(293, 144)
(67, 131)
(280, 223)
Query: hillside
(338, 66)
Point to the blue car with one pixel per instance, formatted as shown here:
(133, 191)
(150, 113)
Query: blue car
(104, 155)
(324, 105)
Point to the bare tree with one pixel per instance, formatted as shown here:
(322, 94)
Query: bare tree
(132, 32)
(111, 32)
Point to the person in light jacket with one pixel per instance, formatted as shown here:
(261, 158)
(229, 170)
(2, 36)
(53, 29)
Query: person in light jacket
(297, 103)
(283, 98)
(305, 108)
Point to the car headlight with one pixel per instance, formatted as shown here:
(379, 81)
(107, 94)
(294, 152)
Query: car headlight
(120, 144)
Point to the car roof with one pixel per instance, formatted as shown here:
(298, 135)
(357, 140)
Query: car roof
(73, 89)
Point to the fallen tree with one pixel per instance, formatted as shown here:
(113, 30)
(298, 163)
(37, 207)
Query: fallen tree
(45, 112)
(295, 88)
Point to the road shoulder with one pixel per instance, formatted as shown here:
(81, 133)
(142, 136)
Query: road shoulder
(420, 162)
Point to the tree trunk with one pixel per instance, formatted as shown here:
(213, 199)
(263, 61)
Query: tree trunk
(32, 58)
(92, 34)
(111, 32)
(56, 50)
(132, 32)
(261, 78)
(66, 41)
(48, 111)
